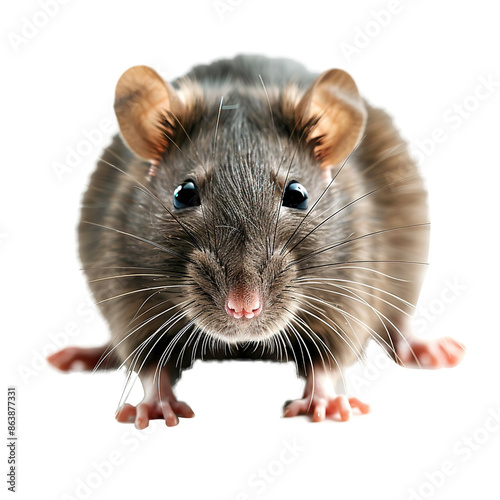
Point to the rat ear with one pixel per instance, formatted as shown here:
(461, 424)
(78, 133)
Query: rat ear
(335, 106)
(145, 106)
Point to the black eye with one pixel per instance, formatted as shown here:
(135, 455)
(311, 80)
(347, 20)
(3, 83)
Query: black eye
(295, 196)
(186, 195)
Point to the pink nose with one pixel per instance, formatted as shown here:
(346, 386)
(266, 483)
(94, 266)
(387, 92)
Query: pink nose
(243, 303)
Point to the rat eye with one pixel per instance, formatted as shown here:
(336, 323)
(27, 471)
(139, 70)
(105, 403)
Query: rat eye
(186, 195)
(295, 196)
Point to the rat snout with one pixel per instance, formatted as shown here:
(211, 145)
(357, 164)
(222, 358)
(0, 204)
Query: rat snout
(243, 303)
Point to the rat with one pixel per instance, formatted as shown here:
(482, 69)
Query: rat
(252, 209)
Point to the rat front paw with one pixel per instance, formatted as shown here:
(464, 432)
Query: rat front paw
(159, 402)
(320, 399)
(444, 352)
(80, 358)
(168, 409)
(319, 408)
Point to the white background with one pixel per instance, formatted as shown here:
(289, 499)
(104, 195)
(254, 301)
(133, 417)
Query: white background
(428, 58)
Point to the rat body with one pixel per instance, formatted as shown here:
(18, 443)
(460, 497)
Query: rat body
(253, 210)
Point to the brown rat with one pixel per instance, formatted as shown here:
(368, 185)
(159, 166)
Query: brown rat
(253, 210)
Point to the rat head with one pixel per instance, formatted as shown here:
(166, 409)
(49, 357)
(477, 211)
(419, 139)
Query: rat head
(241, 189)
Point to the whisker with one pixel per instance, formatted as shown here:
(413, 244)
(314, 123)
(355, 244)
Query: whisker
(169, 350)
(397, 330)
(290, 345)
(357, 238)
(190, 141)
(284, 189)
(333, 264)
(305, 326)
(355, 268)
(270, 112)
(360, 198)
(327, 281)
(357, 298)
(141, 187)
(370, 330)
(131, 276)
(300, 339)
(140, 349)
(351, 345)
(214, 147)
(106, 355)
(93, 268)
(344, 163)
(144, 240)
(125, 294)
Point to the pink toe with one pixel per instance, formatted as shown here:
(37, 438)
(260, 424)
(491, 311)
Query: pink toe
(126, 414)
(142, 418)
(62, 359)
(344, 408)
(453, 350)
(362, 407)
(292, 410)
(319, 412)
(182, 409)
(168, 414)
